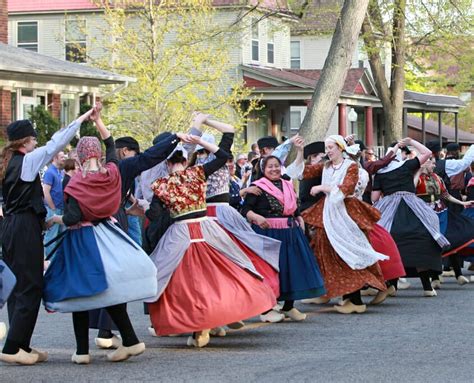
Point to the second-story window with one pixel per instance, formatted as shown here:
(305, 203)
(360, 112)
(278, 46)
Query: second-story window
(27, 35)
(295, 55)
(270, 48)
(76, 41)
(255, 40)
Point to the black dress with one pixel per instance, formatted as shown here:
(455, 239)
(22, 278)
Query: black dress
(417, 247)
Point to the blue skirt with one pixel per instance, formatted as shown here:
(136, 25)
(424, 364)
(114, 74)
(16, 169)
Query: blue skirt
(95, 267)
(300, 277)
(457, 228)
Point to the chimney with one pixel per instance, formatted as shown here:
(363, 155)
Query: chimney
(4, 21)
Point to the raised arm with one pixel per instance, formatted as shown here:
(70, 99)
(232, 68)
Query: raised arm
(424, 153)
(296, 168)
(34, 161)
(454, 167)
(220, 126)
(373, 166)
(216, 163)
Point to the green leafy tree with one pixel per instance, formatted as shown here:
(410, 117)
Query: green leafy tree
(46, 125)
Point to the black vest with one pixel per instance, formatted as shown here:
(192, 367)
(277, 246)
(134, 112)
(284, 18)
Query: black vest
(20, 196)
(306, 199)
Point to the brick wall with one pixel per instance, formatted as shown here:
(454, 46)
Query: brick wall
(5, 110)
(4, 21)
(56, 105)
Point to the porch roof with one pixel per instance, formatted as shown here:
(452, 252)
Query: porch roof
(19, 65)
(448, 132)
(359, 89)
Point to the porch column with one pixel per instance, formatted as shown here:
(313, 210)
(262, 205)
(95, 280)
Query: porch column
(440, 133)
(5, 110)
(423, 127)
(456, 138)
(342, 129)
(405, 123)
(369, 126)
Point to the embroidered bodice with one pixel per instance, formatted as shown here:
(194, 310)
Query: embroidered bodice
(182, 192)
(431, 189)
(218, 182)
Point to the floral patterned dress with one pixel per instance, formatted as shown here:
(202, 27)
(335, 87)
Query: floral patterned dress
(339, 278)
(204, 280)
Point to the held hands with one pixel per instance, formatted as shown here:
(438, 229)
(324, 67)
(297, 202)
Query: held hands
(255, 190)
(261, 221)
(320, 189)
(186, 138)
(407, 141)
(135, 210)
(300, 221)
(96, 112)
(199, 119)
(350, 139)
(299, 143)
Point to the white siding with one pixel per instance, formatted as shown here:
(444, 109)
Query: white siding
(314, 50)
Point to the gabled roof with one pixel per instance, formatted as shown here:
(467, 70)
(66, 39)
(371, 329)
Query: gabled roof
(49, 5)
(448, 132)
(78, 5)
(429, 99)
(305, 78)
(22, 64)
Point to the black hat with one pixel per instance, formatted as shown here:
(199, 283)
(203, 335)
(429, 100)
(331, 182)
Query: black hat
(453, 147)
(161, 136)
(314, 148)
(361, 144)
(434, 146)
(20, 129)
(127, 142)
(267, 142)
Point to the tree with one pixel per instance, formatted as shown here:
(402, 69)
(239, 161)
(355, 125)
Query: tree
(376, 32)
(45, 124)
(329, 87)
(179, 53)
(425, 38)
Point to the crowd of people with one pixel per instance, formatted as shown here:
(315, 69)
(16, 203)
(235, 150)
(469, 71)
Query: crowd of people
(208, 239)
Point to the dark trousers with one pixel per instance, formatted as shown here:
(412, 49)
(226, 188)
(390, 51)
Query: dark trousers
(23, 252)
(119, 315)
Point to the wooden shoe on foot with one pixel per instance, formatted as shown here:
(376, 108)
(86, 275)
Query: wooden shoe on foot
(21, 357)
(123, 352)
(349, 308)
(80, 359)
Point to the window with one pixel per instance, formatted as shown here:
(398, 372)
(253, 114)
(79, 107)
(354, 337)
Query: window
(270, 48)
(295, 55)
(297, 114)
(76, 41)
(255, 40)
(295, 119)
(27, 35)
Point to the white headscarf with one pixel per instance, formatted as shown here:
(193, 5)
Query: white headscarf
(394, 164)
(339, 140)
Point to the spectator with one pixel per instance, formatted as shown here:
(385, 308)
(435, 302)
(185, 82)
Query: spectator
(71, 167)
(53, 196)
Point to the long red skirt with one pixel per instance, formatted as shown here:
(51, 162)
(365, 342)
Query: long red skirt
(208, 290)
(382, 242)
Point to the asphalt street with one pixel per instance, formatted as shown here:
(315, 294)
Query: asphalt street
(407, 339)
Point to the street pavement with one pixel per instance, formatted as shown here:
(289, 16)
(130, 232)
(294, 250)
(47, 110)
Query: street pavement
(407, 339)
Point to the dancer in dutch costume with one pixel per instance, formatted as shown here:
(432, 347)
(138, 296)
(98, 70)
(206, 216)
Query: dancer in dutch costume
(457, 228)
(261, 250)
(347, 260)
(274, 213)
(97, 265)
(22, 242)
(412, 224)
(195, 248)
